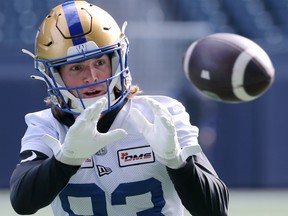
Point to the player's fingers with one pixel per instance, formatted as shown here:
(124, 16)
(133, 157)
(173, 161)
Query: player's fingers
(158, 108)
(163, 118)
(92, 113)
(166, 124)
(112, 136)
(140, 120)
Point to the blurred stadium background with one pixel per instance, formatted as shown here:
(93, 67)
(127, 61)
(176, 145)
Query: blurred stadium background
(246, 143)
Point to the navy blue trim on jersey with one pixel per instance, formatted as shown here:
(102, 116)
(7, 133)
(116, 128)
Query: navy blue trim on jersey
(74, 23)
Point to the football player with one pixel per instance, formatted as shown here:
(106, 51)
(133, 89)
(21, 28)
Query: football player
(101, 149)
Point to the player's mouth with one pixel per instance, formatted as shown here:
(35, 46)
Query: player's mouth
(93, 93)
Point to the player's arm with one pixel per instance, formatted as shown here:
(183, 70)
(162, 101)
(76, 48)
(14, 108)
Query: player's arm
(187, 165)
(35, 183)
(81, 142)
(199, 188)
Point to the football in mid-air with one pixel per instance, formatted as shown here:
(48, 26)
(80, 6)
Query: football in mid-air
(228, 67)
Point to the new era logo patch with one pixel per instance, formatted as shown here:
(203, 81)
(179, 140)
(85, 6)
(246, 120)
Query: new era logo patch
(135, 156)
(103, 170)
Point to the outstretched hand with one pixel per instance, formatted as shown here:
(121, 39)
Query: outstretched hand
(162, 136)
(83, 139)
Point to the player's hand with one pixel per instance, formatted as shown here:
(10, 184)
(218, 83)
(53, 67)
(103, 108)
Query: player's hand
(162, 136)
(83, 139)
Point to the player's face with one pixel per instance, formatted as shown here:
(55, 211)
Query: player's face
(87, 72)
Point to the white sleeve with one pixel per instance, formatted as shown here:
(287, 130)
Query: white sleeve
(38, 124)
(187, 133)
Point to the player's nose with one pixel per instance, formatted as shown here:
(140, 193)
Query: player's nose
(91, 75)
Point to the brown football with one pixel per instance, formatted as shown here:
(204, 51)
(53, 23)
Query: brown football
(228, 67)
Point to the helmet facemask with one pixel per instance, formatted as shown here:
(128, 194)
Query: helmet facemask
(120, 81)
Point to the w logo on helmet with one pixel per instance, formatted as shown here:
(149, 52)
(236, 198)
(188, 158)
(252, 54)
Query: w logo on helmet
(83, 48)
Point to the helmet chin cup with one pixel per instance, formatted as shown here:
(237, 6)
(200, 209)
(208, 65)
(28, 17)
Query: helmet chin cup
(77, 105)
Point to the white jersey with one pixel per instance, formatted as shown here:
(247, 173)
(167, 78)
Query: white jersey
(124, 178)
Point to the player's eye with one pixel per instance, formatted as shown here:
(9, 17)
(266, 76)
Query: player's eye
(75, 68)
(99, 62)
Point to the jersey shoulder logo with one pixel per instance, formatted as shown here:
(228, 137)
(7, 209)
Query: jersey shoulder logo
(30, 158)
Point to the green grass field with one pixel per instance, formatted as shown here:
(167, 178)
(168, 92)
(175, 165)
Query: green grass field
(242, 203)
